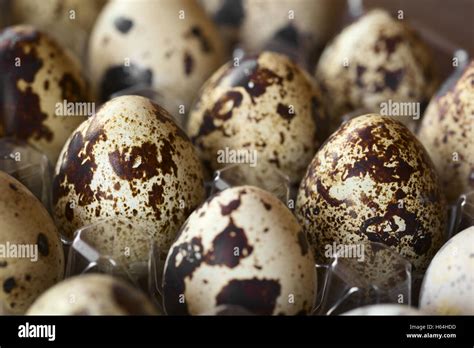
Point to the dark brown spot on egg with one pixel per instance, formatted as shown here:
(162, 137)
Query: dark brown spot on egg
(392, 79)
(156, 199)
(71, 90)
(285, 112)
(230, 207)
(231, 13)
(13, 187)
(175, 274)
(256, 295)
(222, 110)
(198, 34)
(78, 167)
(188, 63)
(3, 264)
(43, 246)
(228, 247)
(136, 162)
(266, 205)
(120, 77)
(123, 24)
(288, 35)
(46, 85)
(9, 284)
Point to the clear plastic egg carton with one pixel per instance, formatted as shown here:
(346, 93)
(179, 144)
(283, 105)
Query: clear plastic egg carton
(343, 283)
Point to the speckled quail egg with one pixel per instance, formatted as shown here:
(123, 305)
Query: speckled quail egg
(40, 82)
(447, 132)
(31, 254)
(242, 247)
(378, 59)
(384, 309)
(93, 294)
(168, 45)
(266, 105)
(129, 161)
(68, 21)
(303, 26)
(372, 180)
(448, 286)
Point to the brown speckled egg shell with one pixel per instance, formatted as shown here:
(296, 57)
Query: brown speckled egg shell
(373, 60)
(242, 247)
(93, 294)
(170, 54)
(447, 132)
(46, 75)
(372, 180)
(24, 222)
(129, 161)
(266, 104)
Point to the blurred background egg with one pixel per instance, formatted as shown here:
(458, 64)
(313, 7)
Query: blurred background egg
(31, 253)
(129, 161)
(448, 286)
(93, 294)
(447, 132)
(298, 28)
(267, 107)
(384, 309)
(170, 46)
(374, 60)
(373, 180)
(242, 247)
(40, 80)
(68, 21)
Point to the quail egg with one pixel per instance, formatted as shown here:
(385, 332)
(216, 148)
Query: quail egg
(296, 26)
(448, 286)
(44, 95)
(68, 21)
(372, 180)
(93, 294)
(31, 254)
(170, 46)
(377, 63)
(129, 161)
(243, 247)
(267, 108)
(447, 132)
(384, 309)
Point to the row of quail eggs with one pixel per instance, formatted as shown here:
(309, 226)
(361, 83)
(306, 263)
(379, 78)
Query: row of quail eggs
(227, 77)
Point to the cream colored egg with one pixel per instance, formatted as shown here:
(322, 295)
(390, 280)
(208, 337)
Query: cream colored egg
(93, 294)
(447, 132)
(31, 253)
(266, 108)
(372, 180)
(384, 309)
(168, 45)
(302, 25)
(377, 59)
(448, 286)
(129, 161)
(41, 80)
(68, 21)
(242, 247)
